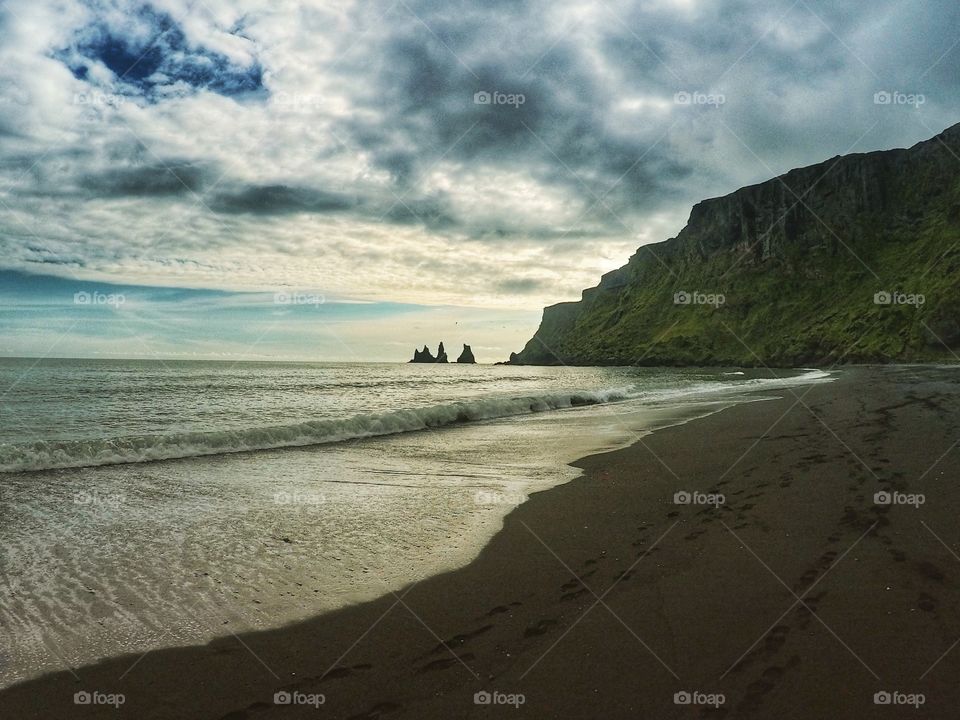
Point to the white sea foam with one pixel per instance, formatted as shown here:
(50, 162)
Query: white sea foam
(48, 455)
(45, 455)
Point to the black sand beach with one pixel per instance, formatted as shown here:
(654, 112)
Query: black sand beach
(797, 597)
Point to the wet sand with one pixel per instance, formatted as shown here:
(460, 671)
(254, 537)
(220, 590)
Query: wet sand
(797, 596)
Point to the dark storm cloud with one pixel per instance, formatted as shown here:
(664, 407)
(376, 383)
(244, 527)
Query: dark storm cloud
(554, 129)
(144, 181)
(279, 200)
(436, 55)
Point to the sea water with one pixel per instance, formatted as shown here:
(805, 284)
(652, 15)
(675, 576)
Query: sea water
(146, 504)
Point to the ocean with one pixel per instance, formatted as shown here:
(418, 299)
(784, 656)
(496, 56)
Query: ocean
(147, 504)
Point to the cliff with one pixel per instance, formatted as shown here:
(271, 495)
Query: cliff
(856, 259)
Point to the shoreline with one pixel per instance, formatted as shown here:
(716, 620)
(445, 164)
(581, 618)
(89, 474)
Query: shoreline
(524, 616)
(276, 582)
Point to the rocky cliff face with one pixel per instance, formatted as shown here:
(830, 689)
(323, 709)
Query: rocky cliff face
(467, 356)
(856, 259)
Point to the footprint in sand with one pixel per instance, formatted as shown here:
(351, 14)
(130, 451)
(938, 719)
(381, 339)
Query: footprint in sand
(826, 560)
(805, 580)
(927, 603)
(459, 640)
(759, 688)
(930, 571)
(444, 663)
(539, 628)
(808, 608)
(776, 638)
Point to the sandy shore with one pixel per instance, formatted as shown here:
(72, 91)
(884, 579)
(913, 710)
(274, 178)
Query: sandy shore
(797, 597)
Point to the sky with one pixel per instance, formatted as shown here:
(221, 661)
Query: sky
(263, 179)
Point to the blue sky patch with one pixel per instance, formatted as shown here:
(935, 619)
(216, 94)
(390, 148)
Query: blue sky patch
(158, 55)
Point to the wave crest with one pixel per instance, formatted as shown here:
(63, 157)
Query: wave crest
(46, 455)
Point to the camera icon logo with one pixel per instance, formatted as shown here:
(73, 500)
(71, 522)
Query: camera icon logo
(682, 298)
(282, 697)
(482, 698)
(681, 497)
(682, 698)
(82, 698)
(882, 498)
(882, 98)
(882, 698)
(482, 97)
(81, 298)
(682, 98)
(882, 298)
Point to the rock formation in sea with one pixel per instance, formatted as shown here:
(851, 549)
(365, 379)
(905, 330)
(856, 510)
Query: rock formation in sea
(423, 356)
(467, 355)
(853, 260)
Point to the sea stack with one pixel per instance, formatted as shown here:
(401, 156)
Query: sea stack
(423, 356)
(467, 355)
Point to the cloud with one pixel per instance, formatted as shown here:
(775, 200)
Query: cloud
(144, 180)
(279, 199)
(500, 154)
(520, 286)
(146, 50)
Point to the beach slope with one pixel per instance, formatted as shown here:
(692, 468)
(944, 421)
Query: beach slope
(797, 596)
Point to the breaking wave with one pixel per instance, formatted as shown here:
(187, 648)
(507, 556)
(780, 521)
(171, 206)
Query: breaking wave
(51, 455)
(47, 455)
